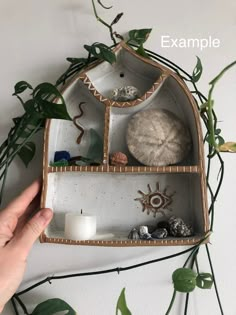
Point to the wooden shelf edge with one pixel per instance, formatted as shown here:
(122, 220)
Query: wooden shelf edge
(126, 169)
(126, 243)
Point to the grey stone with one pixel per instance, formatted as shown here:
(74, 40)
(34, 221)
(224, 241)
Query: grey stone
(143, 229)
(124, 94)
(160, 233)
(146, 236)
(133, 235)
(179, 228)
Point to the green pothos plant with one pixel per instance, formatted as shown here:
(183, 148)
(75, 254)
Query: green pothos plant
(41, 105)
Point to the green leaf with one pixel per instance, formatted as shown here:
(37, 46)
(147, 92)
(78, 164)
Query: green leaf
(101, 51)
(220, 140)
(95, 151)
(27, 152)
(217, 131)
(204, 280)
(21, 87)
(184, 280)
(139, 36)
(35, 118)
(121, 305)
(29, 106)
(52, 306)
(197, 72)
(141, 51)
(51, 101)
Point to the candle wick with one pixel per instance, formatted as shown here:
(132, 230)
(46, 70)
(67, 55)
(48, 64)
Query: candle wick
(81, 211)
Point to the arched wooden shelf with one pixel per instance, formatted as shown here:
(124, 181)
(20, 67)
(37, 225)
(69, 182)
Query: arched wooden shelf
(109, 191)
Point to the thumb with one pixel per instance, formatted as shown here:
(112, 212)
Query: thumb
(24, 240)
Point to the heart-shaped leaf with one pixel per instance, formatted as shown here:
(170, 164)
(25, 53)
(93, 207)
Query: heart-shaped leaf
(51, 102)
(52, 306)
(101, 51)
(197, 72)
(204, 280)
(184, 280)
(121, 305)
(27, 152)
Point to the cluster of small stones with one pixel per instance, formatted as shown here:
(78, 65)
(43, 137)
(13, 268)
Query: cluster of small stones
(175, 227)
(125, 94)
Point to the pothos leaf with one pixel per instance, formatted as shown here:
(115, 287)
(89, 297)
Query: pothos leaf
(50, 101)
(204, 280)
(21, 87)
(184, 280)
(27, 152)
(101, 51)
(121, 305)
(52, 306)
(197, 72)
(139, 36)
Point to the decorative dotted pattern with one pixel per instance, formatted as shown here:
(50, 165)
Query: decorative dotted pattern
(126, 169)
(122, 243)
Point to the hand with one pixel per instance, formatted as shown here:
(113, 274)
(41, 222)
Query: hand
(17, 235)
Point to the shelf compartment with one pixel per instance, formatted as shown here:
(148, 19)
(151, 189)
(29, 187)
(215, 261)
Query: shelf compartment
(101, 78)
(62, 135)
(111, 197)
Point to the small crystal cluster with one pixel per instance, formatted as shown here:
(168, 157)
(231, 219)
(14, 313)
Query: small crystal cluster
(175, 227)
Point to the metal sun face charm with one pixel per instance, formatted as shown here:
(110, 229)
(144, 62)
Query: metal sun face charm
(155, 201)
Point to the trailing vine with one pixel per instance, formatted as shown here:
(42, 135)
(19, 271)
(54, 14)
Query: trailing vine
(41, 106)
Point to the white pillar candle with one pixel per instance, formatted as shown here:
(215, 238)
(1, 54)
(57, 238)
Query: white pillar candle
(80, 226)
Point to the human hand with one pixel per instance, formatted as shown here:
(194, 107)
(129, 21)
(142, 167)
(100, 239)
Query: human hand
(17, 235)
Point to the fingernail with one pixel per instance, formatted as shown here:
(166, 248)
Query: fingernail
(44, 215)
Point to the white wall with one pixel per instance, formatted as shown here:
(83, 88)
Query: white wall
(35, 39)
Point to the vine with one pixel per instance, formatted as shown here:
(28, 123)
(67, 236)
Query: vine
(41, 106)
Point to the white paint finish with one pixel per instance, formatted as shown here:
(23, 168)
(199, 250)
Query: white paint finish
(36, 37)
